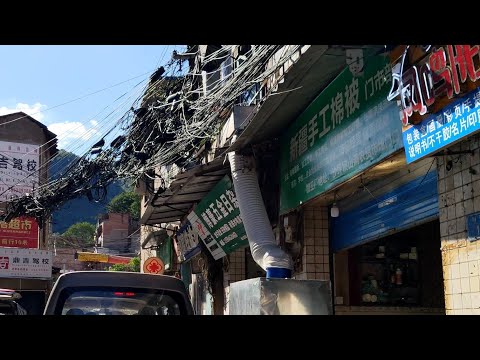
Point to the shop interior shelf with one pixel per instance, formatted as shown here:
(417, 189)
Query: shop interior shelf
(386, 259)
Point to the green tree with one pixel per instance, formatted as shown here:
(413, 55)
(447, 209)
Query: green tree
(133, 265)
(125, 203)
(82, 232)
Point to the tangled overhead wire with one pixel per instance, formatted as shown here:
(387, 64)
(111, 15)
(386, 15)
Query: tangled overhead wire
(177, 112)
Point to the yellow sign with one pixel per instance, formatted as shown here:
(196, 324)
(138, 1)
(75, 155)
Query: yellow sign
(94, 257)
(153, 265)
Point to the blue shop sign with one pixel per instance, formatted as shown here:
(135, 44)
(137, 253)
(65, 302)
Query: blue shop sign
(457, 120)
(473, 227)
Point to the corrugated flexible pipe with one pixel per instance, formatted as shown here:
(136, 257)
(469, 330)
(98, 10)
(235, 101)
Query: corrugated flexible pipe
(276, 262)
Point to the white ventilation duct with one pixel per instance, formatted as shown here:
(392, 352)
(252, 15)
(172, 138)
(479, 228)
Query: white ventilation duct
(276, 262)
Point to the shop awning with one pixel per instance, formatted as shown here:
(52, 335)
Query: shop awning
(187, 189)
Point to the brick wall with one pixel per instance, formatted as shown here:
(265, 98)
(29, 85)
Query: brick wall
(65, 258)
(459, 196)
(115, 231)
(315, 257)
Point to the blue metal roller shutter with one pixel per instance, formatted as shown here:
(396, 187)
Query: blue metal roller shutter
(413, 203)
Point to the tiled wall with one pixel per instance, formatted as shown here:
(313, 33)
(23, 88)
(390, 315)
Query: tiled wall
(236, 272)
(459, 196)
(315, 259)
(236, 266)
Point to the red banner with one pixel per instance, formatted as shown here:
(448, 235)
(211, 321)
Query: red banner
(20, 232)
(112, 259)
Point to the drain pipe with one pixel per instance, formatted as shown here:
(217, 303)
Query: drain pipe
(276, 262)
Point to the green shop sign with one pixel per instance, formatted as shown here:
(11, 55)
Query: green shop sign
(217, 221)
(349, 127)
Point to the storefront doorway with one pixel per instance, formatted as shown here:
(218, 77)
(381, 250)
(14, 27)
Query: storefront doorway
(401, 270)
(386, 246)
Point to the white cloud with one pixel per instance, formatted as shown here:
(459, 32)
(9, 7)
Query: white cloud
(72, 131)
(69, 133)
(34, 110)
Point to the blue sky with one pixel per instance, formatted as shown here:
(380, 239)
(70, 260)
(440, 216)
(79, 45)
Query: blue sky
(35, 78)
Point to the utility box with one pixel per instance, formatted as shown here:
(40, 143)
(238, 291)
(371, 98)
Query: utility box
(262, 296)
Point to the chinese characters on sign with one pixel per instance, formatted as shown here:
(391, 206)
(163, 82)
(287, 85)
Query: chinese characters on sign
(347, 128)
(25, 263)
(91, 257)
(344, 102)
(420, 85)
(20, 233)
(19, 165)
(216, 221)
(456, 120)
(187, 241)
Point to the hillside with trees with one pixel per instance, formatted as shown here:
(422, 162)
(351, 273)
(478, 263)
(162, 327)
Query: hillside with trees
(126, 203)
(80, 209)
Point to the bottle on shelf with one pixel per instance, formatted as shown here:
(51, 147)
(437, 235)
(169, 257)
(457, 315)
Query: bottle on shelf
(398, 276)
(392, 275)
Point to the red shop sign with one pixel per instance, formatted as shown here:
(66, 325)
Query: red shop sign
(20, 232)
(442, 73)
